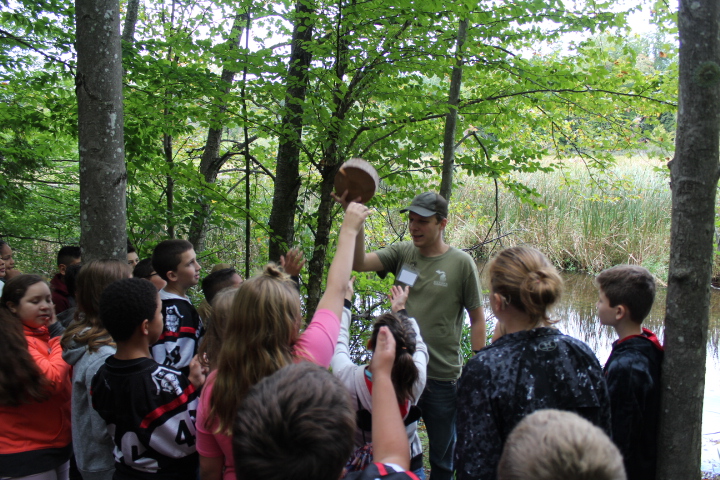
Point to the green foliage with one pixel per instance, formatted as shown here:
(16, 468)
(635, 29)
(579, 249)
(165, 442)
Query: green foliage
(378, 89)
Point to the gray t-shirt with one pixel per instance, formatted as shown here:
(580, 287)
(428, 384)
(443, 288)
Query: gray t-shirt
(446, 286)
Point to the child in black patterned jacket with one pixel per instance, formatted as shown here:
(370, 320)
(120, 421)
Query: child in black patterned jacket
(149, 408)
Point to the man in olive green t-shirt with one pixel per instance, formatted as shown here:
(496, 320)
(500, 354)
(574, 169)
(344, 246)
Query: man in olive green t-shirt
(443, 285)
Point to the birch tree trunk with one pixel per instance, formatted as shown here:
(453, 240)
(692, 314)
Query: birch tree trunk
(694, 177)
(98, 86)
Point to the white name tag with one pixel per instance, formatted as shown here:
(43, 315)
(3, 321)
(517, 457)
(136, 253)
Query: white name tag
(407, 275)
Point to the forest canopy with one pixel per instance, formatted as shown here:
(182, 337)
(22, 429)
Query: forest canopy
(238, 114)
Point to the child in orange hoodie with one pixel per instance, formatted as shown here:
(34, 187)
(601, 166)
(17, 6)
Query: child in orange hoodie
(35, 385)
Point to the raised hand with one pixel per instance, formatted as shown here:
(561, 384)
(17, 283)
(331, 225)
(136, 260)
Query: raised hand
(398, 296)
(343, 200)
(384, 354)
(355, 215)
(292, 262)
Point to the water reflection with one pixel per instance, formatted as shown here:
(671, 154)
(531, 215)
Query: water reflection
(576, 316)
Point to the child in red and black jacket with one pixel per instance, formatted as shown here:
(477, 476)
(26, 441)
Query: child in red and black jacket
(626, 295)
(149, 408)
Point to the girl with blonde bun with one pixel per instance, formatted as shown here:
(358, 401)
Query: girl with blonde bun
(532, 366)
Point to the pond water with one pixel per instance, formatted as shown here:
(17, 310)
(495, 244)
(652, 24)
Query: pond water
(577, 317)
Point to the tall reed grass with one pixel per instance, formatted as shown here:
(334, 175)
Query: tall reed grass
(584, 219)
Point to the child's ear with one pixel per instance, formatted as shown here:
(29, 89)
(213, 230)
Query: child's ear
(12, 307)
(621, 312)
(172, 275)
(145, 327)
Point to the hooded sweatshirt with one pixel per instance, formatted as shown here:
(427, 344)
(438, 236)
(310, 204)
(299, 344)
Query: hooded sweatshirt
(93, 445)
(60, 296)
(36, 436)
(354, 378)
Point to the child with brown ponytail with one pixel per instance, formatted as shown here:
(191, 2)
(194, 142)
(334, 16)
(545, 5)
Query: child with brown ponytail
(86, 345)
(408, 374)
(532, 366)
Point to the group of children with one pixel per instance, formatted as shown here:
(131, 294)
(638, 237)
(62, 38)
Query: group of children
(139, 385)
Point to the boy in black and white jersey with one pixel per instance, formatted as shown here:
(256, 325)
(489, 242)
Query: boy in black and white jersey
(149, 408)
(175, 261)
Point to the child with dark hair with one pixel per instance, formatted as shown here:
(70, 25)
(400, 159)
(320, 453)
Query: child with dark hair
(6, 256)
(216, 281)
(68, 255)
(34, 385)
(86, 344)
(144, 269)
(64, 318)
(148, 408)
(298, 423)
(211, 285)
(626, 294)
(532, 366)
(132, 256)
(408, 373)
(175, 262)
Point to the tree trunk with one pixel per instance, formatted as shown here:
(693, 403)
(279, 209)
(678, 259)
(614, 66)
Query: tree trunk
(170, 188)
(451, 118)
(329, 166)
(316, 265)
(98, 86)
(131, 16)
(694, 177)
(287, 174)
(211, 161)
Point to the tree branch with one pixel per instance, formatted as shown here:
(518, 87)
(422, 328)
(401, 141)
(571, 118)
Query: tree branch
(36, 50)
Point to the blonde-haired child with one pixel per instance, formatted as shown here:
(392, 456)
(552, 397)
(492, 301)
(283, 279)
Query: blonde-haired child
(262, 336)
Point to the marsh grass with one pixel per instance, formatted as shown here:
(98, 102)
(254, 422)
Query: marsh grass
(582, 219)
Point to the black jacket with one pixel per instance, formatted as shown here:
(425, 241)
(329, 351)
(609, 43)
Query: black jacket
(150, 414)
(633, 377)
(519, 373)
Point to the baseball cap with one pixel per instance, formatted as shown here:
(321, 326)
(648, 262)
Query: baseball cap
(428, 204)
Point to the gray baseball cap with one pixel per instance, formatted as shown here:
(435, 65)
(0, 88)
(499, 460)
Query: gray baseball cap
(428, 204)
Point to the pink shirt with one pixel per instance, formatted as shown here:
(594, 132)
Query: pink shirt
(317, 344)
